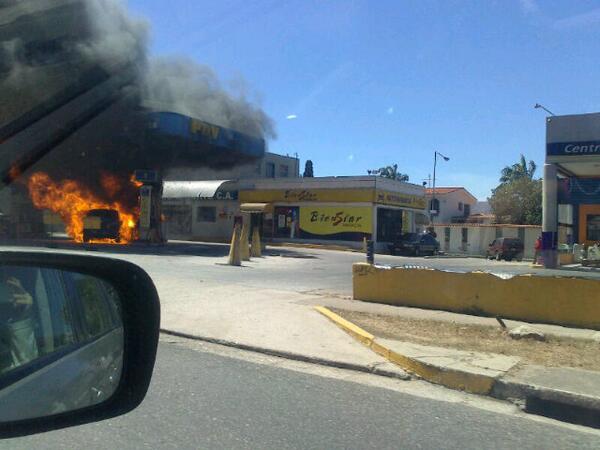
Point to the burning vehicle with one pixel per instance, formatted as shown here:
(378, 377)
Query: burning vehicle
(87, 217)
(101, 224)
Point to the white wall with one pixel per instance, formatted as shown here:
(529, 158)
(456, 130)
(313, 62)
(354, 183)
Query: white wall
(217, 231)
(479, 237)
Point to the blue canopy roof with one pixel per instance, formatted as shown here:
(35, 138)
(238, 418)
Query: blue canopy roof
(203, 133)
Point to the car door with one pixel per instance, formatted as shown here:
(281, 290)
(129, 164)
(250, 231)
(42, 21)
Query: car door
(427, 244)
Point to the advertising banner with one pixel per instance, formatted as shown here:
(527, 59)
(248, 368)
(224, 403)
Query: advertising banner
(324, 220)
(399, 199)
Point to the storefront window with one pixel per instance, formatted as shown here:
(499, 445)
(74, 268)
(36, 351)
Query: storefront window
(593, 227)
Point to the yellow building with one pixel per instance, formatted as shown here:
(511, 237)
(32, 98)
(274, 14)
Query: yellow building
(340, 209)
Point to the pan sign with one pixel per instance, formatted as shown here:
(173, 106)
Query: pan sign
(573, 135)
(332, 220)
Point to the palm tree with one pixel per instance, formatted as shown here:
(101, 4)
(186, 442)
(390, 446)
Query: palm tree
(392, 173)
(522, 169)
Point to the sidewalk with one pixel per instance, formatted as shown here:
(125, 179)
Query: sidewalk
(269, 321)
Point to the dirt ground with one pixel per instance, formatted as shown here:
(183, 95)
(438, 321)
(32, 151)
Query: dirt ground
(554, 352)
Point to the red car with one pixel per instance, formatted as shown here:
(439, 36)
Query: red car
(506, 248)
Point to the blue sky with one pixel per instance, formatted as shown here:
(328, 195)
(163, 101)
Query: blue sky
(373, 83)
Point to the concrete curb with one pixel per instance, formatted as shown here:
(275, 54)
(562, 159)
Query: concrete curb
(290, 355)
(455, 379)
(555, 403)
(341, 248)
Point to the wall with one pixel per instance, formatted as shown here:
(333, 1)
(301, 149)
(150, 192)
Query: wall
(190, 228)
(254, 170)
(542, 299)
(480, 236)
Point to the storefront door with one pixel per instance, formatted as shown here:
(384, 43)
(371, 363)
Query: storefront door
(589, 224)
(389, 224)
(285, 221)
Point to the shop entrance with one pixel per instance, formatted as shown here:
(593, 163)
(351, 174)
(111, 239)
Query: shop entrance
(285, 222)
(389, 224)
(589, 224)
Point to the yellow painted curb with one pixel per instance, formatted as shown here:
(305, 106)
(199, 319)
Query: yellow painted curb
(451, 378)
(360, 334)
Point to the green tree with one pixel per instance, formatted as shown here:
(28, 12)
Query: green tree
(308, 169)
(518, 201)
(390, 172)
(522, 169)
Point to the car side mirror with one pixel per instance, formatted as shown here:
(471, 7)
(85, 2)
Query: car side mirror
(78, 339)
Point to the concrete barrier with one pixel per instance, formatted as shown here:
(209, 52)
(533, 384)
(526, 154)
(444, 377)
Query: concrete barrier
(530, 298)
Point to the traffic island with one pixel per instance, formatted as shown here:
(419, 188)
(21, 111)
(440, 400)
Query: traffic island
(568, 394)
(556, 300)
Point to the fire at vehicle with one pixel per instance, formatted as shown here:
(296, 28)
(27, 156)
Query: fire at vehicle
(86, 216)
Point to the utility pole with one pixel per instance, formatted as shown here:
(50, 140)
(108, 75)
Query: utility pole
(435, 155)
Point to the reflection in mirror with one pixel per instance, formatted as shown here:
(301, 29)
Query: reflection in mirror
(61, 341)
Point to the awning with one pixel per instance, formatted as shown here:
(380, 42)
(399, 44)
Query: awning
(192, 189)
(256, 207)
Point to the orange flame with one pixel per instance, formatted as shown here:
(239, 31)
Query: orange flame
(14, 172)
(71, 201)
(134, 181)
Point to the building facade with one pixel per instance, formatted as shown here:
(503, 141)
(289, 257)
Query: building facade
(452, 204)
(271, 165)
(203, 207)
(325, 209)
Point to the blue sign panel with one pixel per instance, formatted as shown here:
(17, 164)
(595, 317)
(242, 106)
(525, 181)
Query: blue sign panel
(206, 133)
(573, 148)
(146, 176)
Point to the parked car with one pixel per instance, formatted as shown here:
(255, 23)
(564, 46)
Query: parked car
(415, 244)
(505, 248)
(101, 224)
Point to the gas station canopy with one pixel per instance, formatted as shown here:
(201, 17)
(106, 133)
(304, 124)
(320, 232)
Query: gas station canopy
(573, 144)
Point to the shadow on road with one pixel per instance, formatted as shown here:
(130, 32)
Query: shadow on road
(174, 248)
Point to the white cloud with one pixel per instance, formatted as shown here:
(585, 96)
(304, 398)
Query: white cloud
(291, 116)
(351, 157)
(529, 6)
(332, 78)
(390, 110)
(579, 20)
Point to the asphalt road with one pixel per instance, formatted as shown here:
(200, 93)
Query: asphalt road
(202, 399)
(286, 268)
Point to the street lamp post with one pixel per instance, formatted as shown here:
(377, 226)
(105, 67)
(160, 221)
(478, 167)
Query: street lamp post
(435, 155)
(538, 106)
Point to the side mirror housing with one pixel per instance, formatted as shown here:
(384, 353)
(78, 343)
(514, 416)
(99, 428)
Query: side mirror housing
(78, 339)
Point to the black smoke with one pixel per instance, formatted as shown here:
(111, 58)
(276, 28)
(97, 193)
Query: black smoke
(55, 50)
